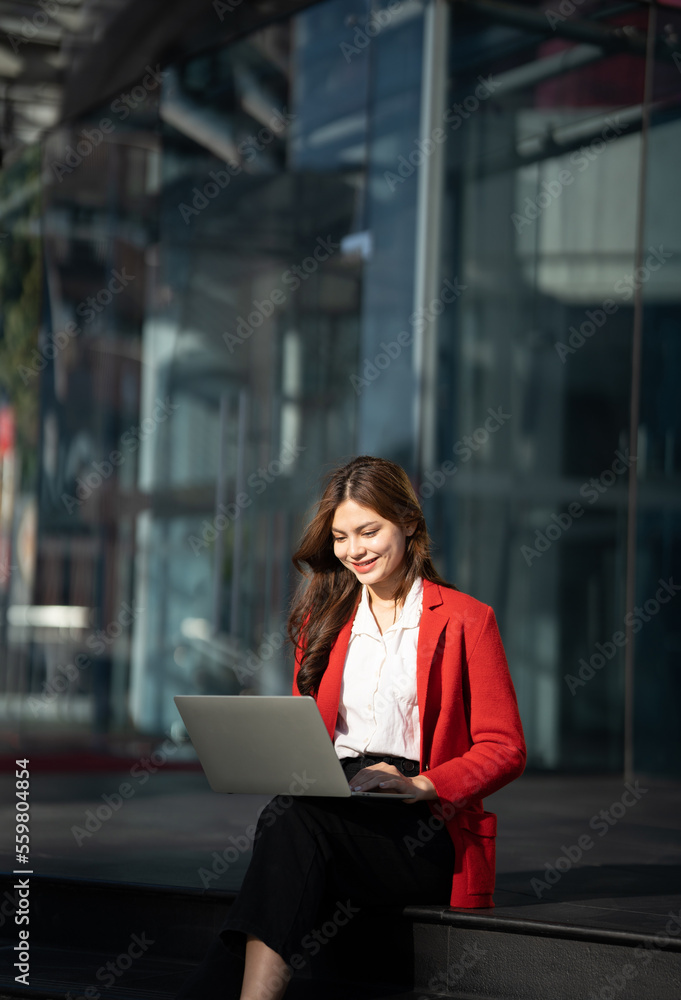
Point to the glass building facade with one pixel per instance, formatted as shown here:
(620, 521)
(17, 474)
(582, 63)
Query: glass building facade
(445, 234)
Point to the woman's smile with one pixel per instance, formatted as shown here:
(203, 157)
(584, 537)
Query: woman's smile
(370, 545)
(365, 565)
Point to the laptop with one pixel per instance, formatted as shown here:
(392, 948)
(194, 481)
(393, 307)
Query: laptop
(266, 744)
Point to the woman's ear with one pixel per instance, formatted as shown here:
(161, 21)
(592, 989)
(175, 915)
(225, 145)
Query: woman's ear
(410, 528)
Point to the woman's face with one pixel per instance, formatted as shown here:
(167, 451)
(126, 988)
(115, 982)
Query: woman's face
(371, 547)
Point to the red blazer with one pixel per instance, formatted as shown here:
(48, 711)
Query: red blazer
(471, 736)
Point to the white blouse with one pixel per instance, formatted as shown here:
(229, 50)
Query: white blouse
(378, 711)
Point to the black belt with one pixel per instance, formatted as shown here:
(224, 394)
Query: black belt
(403, 764)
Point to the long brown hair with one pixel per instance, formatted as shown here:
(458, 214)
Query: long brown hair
(323, 605)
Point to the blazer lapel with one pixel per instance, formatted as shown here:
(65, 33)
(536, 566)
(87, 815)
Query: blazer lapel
(328, 695)
(432, 625)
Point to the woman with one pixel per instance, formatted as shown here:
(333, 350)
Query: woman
(411, 679)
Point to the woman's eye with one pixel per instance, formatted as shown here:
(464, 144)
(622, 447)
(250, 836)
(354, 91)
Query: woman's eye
(370, 534)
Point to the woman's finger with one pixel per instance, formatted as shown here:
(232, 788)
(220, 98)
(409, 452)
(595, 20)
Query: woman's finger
(402, 784)
(369, 779)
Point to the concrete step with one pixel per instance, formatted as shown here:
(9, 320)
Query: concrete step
(70, 975)
(122, 940)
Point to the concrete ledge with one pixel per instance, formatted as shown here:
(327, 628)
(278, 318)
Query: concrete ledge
(430, 950)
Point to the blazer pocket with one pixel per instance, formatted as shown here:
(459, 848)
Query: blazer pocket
(479, 832)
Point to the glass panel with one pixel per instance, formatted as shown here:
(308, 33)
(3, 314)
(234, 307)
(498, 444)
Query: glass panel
(543, 148)
(657, 691)
(253, 336)
(21, 278)
(384, 381)
(71, 616)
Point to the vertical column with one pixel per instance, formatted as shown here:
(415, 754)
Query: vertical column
(429, 211)
(634, 410)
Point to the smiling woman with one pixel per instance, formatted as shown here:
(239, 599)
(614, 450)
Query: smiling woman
(369, 529)
(411, 681)
(375, 547)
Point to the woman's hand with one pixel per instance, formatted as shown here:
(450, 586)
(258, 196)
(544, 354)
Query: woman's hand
(387, 778)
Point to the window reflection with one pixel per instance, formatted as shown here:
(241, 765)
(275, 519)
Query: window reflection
(542, 173)
(226, 295)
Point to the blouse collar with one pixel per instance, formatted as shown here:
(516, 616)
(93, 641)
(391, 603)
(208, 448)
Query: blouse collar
(365, 623)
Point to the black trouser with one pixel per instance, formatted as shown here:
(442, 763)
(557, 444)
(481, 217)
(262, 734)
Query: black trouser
(312, 849)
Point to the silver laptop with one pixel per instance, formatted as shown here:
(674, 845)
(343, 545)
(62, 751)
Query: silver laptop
(264, 744)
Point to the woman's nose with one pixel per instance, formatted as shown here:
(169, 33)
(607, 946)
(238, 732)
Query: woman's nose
(355, 547)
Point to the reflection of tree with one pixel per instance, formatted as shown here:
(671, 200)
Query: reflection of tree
(20, 298)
